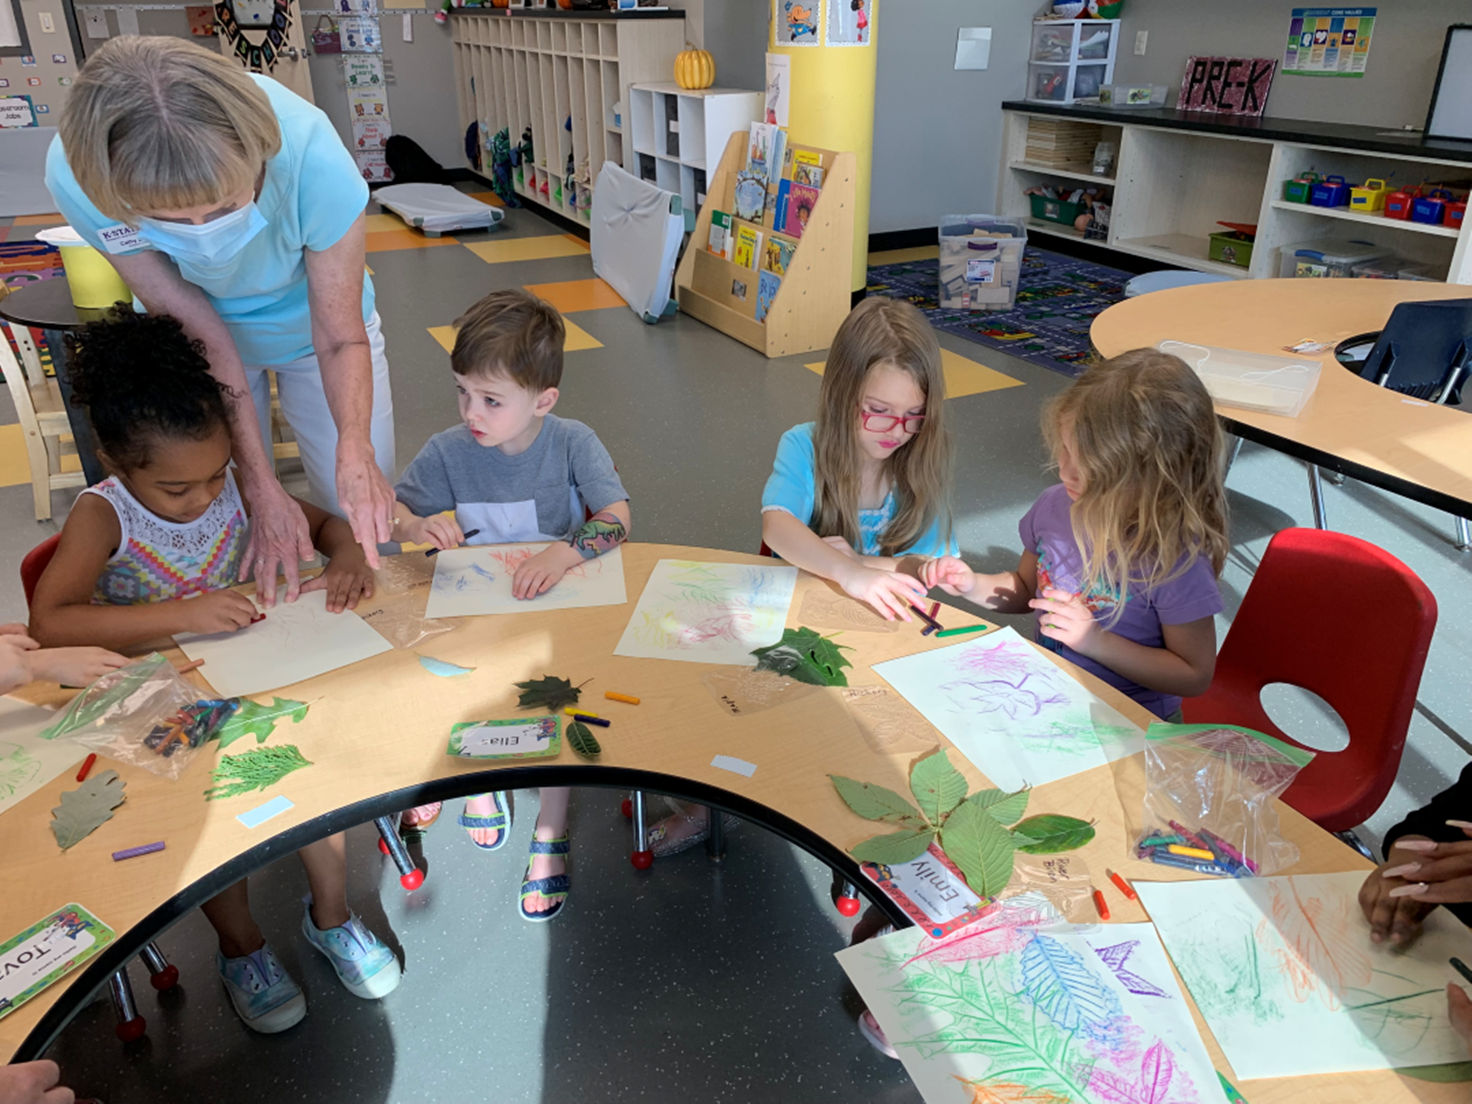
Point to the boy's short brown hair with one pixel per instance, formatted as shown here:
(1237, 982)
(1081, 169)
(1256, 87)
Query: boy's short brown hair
(511, 333)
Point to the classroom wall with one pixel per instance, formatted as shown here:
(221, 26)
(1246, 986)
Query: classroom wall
(49, 95)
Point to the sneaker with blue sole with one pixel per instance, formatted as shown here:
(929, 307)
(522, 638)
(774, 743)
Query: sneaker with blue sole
(264, 995)
(366, 967)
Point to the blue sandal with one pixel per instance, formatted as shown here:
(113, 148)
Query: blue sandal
(500, 820)
(553, 888)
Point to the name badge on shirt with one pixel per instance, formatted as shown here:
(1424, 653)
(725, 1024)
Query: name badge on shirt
(121, 239)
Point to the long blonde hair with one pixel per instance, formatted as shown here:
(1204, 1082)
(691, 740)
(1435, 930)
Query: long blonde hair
(893, 332)
(1149, 448)
(160, 124)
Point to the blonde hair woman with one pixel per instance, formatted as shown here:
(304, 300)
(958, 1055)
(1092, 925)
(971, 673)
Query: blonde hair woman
(1121, 558)
(230, 203)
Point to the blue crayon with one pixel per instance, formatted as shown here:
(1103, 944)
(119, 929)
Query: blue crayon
(1165, 858)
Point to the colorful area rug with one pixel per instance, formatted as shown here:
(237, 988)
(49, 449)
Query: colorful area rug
(1048, 325)
(21, 262)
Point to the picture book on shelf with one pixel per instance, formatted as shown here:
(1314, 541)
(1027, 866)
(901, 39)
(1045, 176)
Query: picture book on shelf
(804, 172)
(777, 254)
(759, 150)
(777, 153)
(747, 246)
(779, 210)
(720, 234)
(800, 203)
(751, 195)
(766, 291)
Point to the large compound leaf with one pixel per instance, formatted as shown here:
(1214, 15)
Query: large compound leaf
(1005, 808)
(980, 847)
(894, 848)
(938, 786)
(1051, 833)
(877, 803)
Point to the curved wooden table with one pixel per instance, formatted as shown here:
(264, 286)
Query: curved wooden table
(377, 732)
(1350, 425)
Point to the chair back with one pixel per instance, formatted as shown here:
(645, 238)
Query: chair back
(1340, 617)
(34, 565)
(1425, 350)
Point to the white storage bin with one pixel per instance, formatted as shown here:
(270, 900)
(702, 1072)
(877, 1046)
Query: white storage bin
(980, 262)
(1133, 95)
(1071, 59)
(1327, 257)
(1252, 381)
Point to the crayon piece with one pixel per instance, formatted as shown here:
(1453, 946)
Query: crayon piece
(931, 621)
(257, 618)
(1461, 968)
(468, 534)
(1161, 858)
(1124, 886)
(1225, 849)
(194, 666)
(584, 719)
(582, 714)
(1205, 854)
(1101, 905)
(927, 630)
(134, 852)
(963, 629)
(628, 698)
(1189, 836)
(86, 767)
(1160, 841)
(1233, 1096)
(934, 609)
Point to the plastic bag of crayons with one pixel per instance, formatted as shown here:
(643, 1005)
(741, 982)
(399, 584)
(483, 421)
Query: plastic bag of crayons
(1209, 793)
(144, 714)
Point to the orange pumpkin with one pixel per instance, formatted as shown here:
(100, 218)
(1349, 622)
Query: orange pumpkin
(694, 68)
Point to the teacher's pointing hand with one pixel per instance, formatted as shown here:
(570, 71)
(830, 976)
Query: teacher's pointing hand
(365, 497)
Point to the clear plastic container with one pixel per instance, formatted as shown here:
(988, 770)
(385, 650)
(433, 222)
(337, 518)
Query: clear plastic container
(1133, 95)
(1251, 381)
(1327, 257)
(980, 262)
(1393, 268)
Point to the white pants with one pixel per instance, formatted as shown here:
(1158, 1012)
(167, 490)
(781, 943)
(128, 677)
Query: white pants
(304, 405)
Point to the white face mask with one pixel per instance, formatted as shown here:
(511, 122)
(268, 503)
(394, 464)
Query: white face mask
(212, 244)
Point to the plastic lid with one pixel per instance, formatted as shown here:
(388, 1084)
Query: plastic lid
(60, 235)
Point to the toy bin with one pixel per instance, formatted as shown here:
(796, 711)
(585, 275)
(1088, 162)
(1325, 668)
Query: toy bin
(1368, 197)
(1398, 203)
(1252, 381)
(980, 262)
(1055, 210)
(1300, 187)
(1327, 257)
(1133, 95)
(1455, 212)
(1431, 207)
(1230, 247)
(1332, 191)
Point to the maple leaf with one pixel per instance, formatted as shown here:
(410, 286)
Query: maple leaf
(583, 741)
(83, 810)
(255, 719)
(1008, 1092)
(548, 692)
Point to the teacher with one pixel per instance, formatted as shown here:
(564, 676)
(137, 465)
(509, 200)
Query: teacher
(229, 202)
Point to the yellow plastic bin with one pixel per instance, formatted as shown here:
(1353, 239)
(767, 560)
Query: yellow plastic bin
(1368, 197)
(93, 281)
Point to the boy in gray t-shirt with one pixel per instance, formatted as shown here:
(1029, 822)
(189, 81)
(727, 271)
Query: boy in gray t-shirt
(512, 472)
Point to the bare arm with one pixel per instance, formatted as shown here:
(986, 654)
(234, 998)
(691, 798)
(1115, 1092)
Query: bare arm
(1007, 592)
(1183, 664)
(889, 591)
(542, 572)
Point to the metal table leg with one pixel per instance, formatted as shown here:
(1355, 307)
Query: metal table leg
(1316, 496)
(715, 843)
(642, 858)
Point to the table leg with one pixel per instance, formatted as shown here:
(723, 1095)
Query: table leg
(1464, 534)
(1232, 450)
(1316, 496)
(81, 429)
(715, 843)
(642, 857)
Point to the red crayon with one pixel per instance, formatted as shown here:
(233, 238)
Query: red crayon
(1124, 886)
(934, 609)
(1100, 904)
(86, 767)
(258, 617)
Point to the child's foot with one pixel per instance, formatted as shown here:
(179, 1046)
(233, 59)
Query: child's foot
(487, 820)
(419, 818)
(545, 885)
(364, 965)
(264, 995)
(869, 1028)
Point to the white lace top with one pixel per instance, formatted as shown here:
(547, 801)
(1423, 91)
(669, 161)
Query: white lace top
(158, 560)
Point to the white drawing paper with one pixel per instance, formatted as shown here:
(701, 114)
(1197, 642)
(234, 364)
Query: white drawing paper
(1012, 1007)
(477, 580)
(1287, 979)
(26, 762)
(295, 642)
(709, 612)
(1018, 717)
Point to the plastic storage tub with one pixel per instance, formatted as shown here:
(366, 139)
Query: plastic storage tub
(1393, 268)
(1335, 257)
(1252, 381)
(1133, 95)
(980, 262)
(90, 277)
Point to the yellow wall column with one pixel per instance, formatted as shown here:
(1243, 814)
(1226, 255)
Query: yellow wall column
(831, 101)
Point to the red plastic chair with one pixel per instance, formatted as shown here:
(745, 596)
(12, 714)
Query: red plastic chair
(34, 565)
(1308, 619)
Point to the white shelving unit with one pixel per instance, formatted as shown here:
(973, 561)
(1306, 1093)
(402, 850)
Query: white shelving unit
(561, 75)
(1173, 186)
(679, 134)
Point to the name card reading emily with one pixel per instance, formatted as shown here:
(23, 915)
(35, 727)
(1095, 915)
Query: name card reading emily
(1226, 85)
(930, 890)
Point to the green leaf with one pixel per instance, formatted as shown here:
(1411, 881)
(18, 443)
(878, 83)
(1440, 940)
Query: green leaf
(583, 741)
(980, 847)
(897, 847)
(548, 692)
(255, 769)
(877, 803)
(1005, 808)
(83, 810)
(255, 719)
(937, 785)
(1051, 833)
(805, 655)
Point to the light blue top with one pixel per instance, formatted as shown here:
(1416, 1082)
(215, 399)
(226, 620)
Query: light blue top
(793, 487)
(312, 194)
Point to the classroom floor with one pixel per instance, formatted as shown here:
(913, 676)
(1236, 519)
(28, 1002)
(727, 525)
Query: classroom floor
(691, 982)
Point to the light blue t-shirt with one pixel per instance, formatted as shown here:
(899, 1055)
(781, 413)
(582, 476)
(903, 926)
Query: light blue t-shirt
(793, 487)
(312, 194)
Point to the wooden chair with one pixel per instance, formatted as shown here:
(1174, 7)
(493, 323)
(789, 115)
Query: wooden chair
(42, 415)
(281, 448)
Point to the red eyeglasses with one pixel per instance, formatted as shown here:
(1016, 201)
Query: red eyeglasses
(883, 423)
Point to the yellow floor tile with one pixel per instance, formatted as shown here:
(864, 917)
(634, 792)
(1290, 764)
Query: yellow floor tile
(404, 238)
(487, 197)
(40, 220)
(14, 469)
(577, 338)
(529, 249)
(578, 295)
(899, 256)
(378, 224)
(963, 376)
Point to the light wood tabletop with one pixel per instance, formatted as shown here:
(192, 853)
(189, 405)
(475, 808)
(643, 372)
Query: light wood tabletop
(1350, 425)
(376, 734)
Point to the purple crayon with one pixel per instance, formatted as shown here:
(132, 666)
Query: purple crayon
(1230, 851)
(134, 852)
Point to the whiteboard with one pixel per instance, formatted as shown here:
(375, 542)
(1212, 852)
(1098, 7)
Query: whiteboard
(9, 27)
(1450, 116)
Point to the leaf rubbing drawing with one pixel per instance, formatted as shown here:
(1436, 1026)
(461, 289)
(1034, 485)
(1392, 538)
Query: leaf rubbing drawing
(1062, 986)
(1008, 1092)
(1324, 952)
(83, 810)
(1157, 1071)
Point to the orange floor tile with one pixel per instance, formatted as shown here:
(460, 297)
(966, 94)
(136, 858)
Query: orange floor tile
(404, 239)
(40, 220)
(487, 197)
(578, 295)
(575, 339)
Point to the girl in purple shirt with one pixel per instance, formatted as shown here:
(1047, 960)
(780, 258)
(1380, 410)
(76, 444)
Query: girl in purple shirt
(1121, 558)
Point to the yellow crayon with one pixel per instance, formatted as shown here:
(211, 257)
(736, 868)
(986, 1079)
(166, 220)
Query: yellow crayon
(571, 712)
(1190, 852)
(627, 698)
